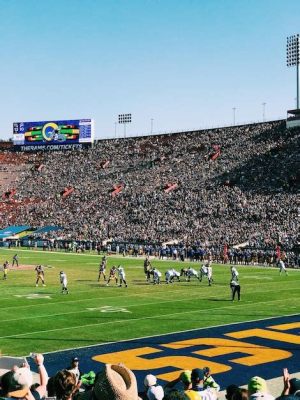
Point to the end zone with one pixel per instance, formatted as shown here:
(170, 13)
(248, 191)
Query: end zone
(234, 352)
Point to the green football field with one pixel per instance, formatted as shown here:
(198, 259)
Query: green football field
(42, 319)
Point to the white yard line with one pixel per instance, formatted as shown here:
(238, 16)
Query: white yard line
(241, 305)
(161, 301)
(159, 289)
(130, 295)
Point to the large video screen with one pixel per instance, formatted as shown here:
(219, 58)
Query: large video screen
(53, 135)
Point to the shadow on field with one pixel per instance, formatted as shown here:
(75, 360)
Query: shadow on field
(218, 299)
(100, 285)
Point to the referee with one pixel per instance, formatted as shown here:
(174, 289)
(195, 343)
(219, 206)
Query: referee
(235, 289)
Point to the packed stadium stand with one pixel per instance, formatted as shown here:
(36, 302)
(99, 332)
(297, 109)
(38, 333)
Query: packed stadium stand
(226, 185)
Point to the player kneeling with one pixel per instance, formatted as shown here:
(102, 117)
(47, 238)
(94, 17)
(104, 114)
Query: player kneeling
(191, 273)
(156, 276)
(171, 274)
(183, 272)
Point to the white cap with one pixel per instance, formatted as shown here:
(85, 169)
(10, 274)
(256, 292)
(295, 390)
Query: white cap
(150, 380)
(155, 393)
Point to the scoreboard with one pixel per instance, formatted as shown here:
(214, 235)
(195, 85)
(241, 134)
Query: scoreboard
(53, 135)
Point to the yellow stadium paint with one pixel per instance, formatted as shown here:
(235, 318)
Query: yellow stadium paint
(255, 355)
(266, 334)
(233, 353)
(285, 327)
(133, 359)
(258, 354)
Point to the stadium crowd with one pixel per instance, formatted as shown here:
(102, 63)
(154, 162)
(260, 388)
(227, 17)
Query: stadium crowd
(228, 185)
(117, 382)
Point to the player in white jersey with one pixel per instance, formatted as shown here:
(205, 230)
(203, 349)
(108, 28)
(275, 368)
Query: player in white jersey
(171, 274)
(176, 274)
(191, 272)
(202, 272)
(235, 289)
(122, 276)
(234, 273)
(168, 276)
(156, 276)
(282, 267)
(209, 275)
(64, 282)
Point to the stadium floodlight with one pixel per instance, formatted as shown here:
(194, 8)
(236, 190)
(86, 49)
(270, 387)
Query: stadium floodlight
(264, 111)
(124, 119)
(293, 57)
(234, 110)
(152, 119)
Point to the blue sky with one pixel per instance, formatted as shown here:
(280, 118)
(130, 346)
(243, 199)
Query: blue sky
(185, 64)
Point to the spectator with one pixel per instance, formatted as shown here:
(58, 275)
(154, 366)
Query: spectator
(290, 386)
(257, 388)
(65, 385)
(149, 381)
(248, 194)
(115, 382)
(74, 367)
(230, 390)
(197, 377)
(208, 381)
(182, 384)
(17, 383)
(155, 393)
(295, 387)
(152, 390)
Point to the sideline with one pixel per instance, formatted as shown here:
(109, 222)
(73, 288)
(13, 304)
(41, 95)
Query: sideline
(186, 261)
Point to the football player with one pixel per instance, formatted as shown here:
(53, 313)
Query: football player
(112, 275)
(122, 276)
(64, 282)
(40, 275)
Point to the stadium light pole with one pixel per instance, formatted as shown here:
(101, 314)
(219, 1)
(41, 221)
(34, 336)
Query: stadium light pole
(124, 119)
(293, 58)
(115, 130)
(152, 125)
(264, 111)
(233, 109)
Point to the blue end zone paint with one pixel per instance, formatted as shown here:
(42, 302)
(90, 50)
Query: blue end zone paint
(239, 374)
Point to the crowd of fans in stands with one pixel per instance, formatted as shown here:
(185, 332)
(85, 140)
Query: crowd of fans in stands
(248, 192)
(117, 382)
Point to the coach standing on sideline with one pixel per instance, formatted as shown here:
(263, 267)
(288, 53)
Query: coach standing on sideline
(235, 288)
